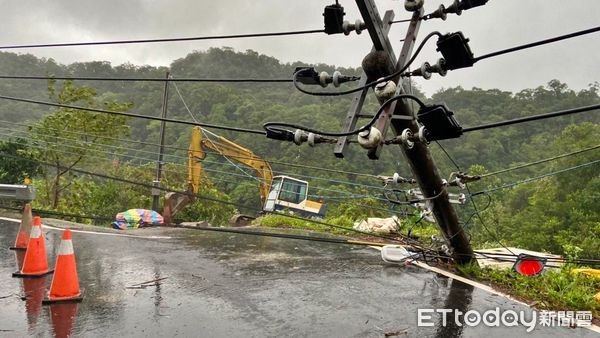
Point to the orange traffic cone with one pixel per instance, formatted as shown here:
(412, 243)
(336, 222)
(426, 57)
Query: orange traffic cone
(65, 283)
(35, 263)
(63, 316)
(24, 229)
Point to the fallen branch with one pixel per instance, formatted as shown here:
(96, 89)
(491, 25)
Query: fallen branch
(142, 286)
(150, 281)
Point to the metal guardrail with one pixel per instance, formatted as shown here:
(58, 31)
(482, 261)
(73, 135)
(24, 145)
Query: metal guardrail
(18, 192)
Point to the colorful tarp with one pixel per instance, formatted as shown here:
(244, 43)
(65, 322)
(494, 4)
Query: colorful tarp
(137, 218)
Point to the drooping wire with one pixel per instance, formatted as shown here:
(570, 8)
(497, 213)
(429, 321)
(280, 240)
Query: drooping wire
(410, 202)
(207, 151)
(538, 43)
(150, 186)
(495, 256)
(209, 133)
(316, 187)
(182, 164)
(333, 240)
(56, 213)
(540, 161)
(345, 194)
(103, 111)
(142, 79)
(475, 208)
(275, 126)
(532, 118)
(554, 173)
(370, 84)
(139, 41)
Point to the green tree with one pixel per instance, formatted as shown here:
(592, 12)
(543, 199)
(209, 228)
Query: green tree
(70, 137)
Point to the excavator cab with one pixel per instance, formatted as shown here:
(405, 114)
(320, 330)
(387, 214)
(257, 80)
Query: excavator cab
(291, 194)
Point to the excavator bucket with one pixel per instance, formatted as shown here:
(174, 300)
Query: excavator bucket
(174, 202)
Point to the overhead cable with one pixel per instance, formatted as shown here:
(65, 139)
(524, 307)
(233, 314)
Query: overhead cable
(210, 199)
(141, 79)
(510, 185)
(140, 41)
(274, 127)
(316, 187)
(370, 84)
(540, 161)
(476, 209)
(185, 149)
(532, 118)
(538, 43)
(110, 112)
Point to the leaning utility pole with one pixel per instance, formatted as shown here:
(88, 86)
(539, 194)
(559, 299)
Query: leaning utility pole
(161, 149)
(400, 116)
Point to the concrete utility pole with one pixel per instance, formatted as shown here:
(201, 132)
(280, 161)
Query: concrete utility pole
(400, 116)
(161, 149)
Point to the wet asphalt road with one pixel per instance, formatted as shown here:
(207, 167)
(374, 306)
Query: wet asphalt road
(220, 285)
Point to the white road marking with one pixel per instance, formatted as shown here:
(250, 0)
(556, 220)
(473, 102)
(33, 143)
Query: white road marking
(91, 232)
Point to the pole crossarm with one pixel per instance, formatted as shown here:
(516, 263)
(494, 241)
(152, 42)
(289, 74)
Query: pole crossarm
(354, 113)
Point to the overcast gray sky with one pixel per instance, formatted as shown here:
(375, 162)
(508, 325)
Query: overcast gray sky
(499, 24)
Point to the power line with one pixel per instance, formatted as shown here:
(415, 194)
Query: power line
(532, 118)
(510, 185)
(142, 79)
(333, 240)
(540, 161)
(475, 207)
(274, 127)
(117, 148)
(207, 151)
(94, 135)
(139, 41)
(150, 186)
(315, 187)
(337, 171)
(400, 21)
(208, 133)
(348, 195)
(538, 43)
(370, 84)
(217, 142)
(345, 194)
(103, 111)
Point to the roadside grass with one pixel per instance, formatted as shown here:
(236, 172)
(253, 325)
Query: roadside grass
(420, 231)
(554, 289)
(279, 221)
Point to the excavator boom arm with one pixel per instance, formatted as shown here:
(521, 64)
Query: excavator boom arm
(242, 155)
(175, 202)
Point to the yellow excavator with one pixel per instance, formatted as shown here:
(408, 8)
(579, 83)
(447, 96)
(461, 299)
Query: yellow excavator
(279, 193)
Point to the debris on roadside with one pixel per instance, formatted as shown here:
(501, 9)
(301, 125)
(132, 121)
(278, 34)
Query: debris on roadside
(380, 225)
(137, 218)
(143, 285)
